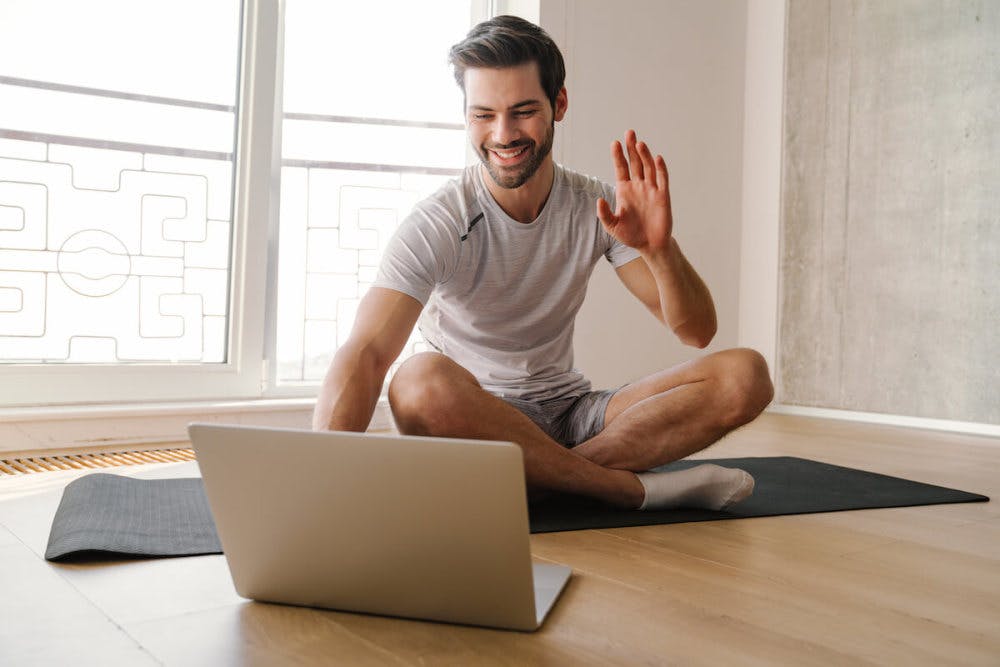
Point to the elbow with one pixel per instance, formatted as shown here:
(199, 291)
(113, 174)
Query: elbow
(363, 356)
(700, 342)
(698, 337)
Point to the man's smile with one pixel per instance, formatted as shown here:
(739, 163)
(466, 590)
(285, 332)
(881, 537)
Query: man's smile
(509, 156)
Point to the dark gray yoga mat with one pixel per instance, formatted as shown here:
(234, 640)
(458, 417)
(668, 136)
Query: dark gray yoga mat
(783, 485)
(102, 514)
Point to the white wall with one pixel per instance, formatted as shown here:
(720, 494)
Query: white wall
(673, 71)
(763, 95)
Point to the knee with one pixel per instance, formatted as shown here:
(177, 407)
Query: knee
(425, 389)
(745, 385)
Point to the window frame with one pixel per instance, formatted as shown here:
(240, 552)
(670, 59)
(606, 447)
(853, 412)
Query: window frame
(250, 370)
(272, 387)
(239, 377)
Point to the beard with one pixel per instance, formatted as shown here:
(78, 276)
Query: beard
(515, 177)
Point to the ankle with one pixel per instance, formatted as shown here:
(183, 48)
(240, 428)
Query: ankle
(705, 486)
(633, 492)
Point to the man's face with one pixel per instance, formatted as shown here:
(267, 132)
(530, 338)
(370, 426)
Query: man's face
(510, 121)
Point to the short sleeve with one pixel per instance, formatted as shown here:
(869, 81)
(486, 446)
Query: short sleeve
(421, 254)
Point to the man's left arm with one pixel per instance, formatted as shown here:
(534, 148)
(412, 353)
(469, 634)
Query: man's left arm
(674, 292)
(663, 280)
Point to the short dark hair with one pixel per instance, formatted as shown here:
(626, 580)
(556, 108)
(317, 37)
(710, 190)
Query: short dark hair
(509, 41)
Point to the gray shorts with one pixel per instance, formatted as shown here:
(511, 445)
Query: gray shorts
(569, 420)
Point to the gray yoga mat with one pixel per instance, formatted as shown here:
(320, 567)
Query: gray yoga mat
(103, 515)
(783, 485)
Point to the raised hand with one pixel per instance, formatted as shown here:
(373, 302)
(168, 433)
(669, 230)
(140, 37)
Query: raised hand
(643, 219)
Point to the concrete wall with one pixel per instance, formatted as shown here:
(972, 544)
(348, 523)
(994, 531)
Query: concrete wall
(672, 70)
(890, 265)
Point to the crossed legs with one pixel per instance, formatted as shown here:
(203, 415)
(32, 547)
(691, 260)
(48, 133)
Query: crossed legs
(682, 410)
(661, 418)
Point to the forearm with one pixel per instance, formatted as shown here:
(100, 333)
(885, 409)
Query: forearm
(350, 391)
(686, 304)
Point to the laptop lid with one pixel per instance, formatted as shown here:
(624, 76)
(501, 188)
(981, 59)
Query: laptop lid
(426, 528)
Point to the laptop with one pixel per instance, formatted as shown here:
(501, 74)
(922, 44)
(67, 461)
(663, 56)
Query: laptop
(426, 528)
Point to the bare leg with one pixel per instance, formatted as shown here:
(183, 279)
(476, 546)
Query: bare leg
(681, 410)
(432, 395)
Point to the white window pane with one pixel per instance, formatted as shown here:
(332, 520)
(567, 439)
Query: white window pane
(372, 124)
(361, 143)
(374, 59)
(116, 179)
(95, 116)
(183, 49)
(334, 227)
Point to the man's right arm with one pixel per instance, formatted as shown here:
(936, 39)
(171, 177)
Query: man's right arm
(353, 384)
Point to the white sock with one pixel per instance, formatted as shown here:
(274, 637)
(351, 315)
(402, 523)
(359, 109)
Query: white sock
(706, 486)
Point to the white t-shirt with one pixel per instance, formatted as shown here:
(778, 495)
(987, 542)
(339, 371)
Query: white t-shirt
(501, 296)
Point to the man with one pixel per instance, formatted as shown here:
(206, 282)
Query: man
(495, 266)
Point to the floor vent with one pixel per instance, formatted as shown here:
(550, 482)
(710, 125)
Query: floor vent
(27, 466)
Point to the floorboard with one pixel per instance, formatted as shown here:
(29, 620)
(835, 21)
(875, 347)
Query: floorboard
(915, 585)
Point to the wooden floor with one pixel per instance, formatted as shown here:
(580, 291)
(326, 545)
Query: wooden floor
(913, 586)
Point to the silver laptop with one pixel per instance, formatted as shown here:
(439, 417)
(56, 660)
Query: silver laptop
(426, 528)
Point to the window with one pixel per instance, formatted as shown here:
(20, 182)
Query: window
(361, 144)
(183, 203)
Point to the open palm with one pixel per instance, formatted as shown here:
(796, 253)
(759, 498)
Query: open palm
(643, 219)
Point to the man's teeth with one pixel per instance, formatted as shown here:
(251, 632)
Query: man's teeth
(506, 155)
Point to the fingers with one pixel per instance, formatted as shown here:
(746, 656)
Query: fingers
(634, 161)
(647, 160)
(618, 158)
(640, 163)
(662, 178)
(604, 214)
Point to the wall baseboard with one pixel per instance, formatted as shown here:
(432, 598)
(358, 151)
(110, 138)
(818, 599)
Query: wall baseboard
(970, 428)
(122, 426)
(36, 429)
